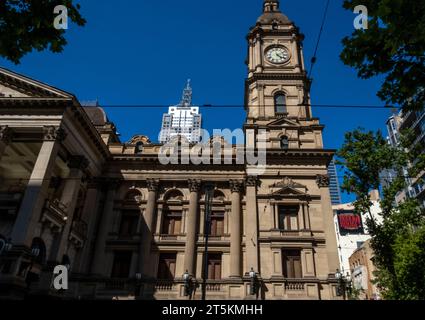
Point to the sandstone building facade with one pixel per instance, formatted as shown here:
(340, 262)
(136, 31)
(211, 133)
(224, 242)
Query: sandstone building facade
(127, 226)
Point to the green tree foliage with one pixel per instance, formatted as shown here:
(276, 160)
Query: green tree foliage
(27, 25)
(394, 46)
(397, 240)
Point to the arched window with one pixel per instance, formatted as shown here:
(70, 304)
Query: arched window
(284, 143)
(172, 213)
(280, 103)
(139, 147)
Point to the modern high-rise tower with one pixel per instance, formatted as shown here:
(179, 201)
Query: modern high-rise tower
(182, 120)
(334, 184)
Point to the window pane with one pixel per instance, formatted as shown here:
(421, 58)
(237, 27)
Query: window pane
(291, 263)
(288, 218)
(297, 268)
(214, 266)
(280, 103)
(121, 264)
(167, 266)
(177, 226)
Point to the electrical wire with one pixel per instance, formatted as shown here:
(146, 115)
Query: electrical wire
(331, 106)
(314, 59)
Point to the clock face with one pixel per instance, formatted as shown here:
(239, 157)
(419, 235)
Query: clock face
(277, 55)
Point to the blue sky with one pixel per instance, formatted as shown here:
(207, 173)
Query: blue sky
(139, 52)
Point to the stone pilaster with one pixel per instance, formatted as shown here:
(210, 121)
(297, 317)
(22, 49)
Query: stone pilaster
(99, 260)
(325, 199)
(147, 229)
(251, 244)
(35, 194)
(90, 211)
(77, 164)
(192, 223)
(236, 230)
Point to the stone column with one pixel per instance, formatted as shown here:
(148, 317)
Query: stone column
(235, 230)
(99, 263)
(90, 211)
(328, 222)
(192, 225)
(35, 193)
(251, 224)
(5, 138)
(147, 229)
(69, 198)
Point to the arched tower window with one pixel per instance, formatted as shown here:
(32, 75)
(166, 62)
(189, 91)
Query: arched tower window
(284, 143)
(280, 103)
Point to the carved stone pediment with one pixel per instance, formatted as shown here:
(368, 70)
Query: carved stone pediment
(289, 187)
(288, 182)
(284, 122)
(289, 191)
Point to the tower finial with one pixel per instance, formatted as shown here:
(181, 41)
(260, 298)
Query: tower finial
(187, 95)
(271, 6)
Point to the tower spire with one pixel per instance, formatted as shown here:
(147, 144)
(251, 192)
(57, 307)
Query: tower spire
(187, 95)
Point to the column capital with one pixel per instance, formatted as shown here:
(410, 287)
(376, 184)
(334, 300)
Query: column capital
(251, 181)
(153, 185)
(194, 185)
(322, 180)
(78, 162)
(53, 133)
(6, 134)
(236, 185)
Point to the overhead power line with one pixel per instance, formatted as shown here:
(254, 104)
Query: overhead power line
(314, 59)
(335, 106)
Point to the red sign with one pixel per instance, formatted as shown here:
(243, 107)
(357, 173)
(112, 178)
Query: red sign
(350, 222)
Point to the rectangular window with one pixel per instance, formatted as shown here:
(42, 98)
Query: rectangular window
(288, 218)
(121, 264)
(214, 266)
(129, 221)
(217, 225)
(172, 223)
(167, 266)
(292, 264)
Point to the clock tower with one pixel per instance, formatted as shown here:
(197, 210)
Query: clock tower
(277, 88)
(277, 102)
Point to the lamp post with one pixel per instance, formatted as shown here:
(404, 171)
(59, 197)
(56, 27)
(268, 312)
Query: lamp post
(138, 277)
(349, 285)
(341, 291)
(35, 253)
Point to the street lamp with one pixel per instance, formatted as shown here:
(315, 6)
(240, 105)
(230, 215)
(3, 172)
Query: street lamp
(188, 285)
(253, 285)
(341, 289)
(35, 251)
(138, 284)
(349, 284)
